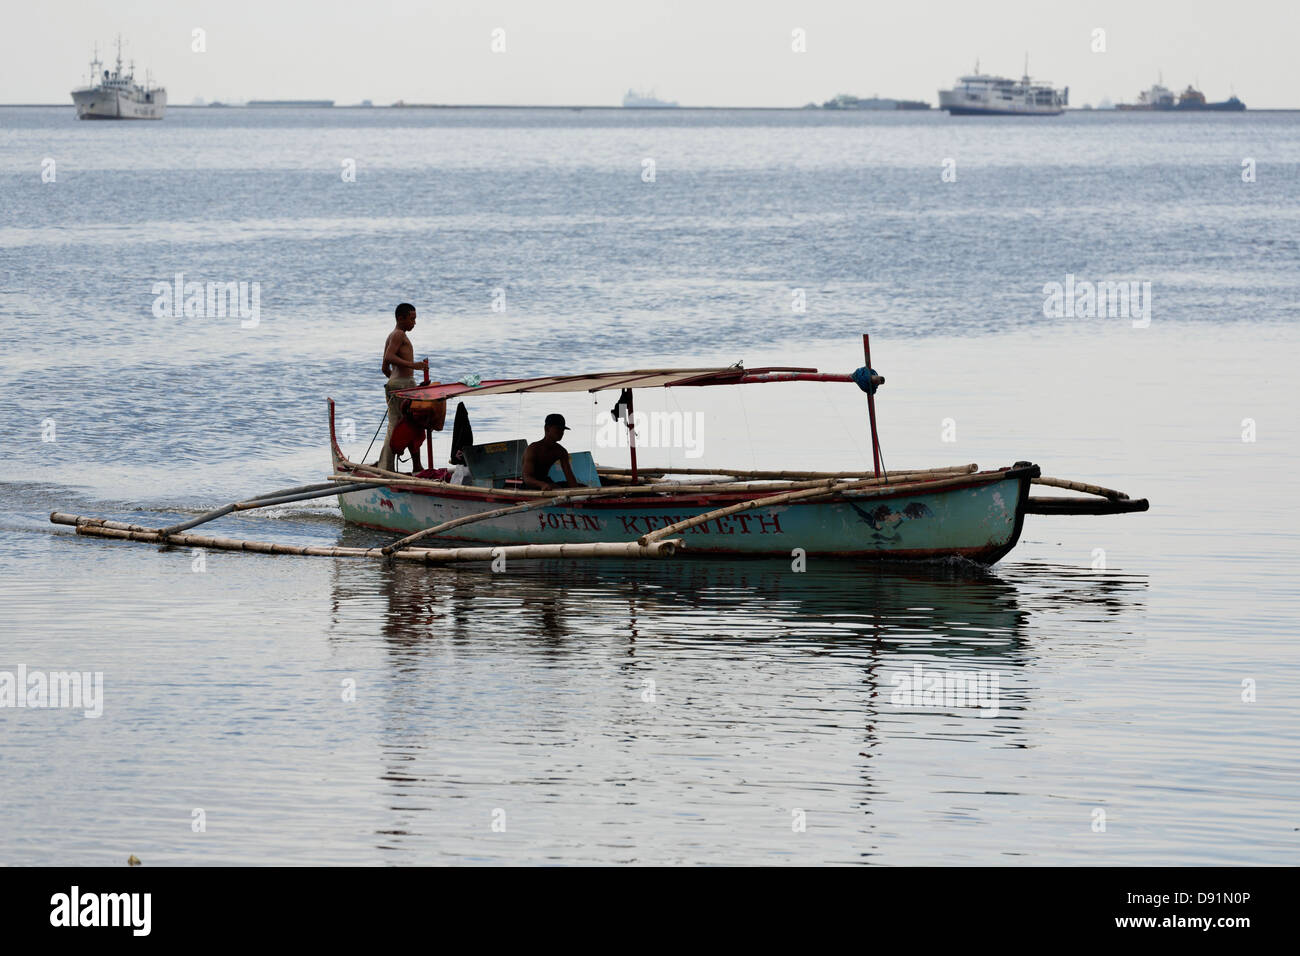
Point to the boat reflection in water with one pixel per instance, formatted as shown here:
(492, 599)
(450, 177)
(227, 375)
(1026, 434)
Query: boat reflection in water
(958, 611)
(840, 606)
(526, 688)
(953, 607)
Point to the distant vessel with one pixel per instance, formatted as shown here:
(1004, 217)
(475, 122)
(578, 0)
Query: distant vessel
(116, 95)
(983, 95)
(846, 102)
(646, 101)
(1195, 100)
(312, 104)
(1160, 97)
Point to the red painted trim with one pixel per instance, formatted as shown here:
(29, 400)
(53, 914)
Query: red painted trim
(335, 451)
(455, 389)
(738, 376)
(428, 433)
(814, 376)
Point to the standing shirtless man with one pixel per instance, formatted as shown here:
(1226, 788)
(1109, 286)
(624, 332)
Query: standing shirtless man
(400, 367)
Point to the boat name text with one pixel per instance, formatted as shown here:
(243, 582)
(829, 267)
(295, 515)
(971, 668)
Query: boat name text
(644, 524)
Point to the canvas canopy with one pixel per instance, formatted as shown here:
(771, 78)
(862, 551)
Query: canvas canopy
(637, 378)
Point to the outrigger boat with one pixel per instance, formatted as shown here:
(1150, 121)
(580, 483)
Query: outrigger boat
(926, 514)
(958, 511)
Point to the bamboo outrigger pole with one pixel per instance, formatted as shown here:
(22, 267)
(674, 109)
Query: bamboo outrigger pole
(559, 495)
(102, 528)
(470, 519)
(781, 475)
(824, 489)
(1081, 486)
(326, 489)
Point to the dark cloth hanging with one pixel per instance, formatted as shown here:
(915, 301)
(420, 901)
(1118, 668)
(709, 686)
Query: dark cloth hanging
(624, 398)
(462, 434)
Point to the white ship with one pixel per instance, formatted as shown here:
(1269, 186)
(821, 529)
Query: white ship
(1159, 97)
(646, 101)
(983, 95)
(116, 95)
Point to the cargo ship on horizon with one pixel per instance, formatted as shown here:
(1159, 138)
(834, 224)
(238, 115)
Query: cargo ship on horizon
(846, 102)
(1160, 97)
(284, 104)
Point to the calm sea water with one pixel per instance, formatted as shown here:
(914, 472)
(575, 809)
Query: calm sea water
(327, 711)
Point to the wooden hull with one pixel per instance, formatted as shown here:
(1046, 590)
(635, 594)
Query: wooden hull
(979, 519)
(981, 522)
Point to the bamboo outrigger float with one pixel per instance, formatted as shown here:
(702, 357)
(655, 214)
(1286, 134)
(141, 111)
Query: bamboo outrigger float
(917, 514)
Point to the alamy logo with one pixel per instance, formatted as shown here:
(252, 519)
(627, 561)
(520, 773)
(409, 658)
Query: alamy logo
(682, 430)
(943, 689)
(212, 300)
(1105, 299)
(82, 690)
(102, 909)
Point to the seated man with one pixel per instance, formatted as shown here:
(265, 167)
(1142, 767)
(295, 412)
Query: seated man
(541, 455)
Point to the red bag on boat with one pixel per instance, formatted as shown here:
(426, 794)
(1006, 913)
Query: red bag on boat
(418, 416)
(406, 437)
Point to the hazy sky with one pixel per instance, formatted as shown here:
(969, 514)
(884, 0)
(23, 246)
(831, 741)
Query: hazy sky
(707, 52)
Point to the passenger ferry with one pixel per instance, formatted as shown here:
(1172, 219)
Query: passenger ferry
(980, 94)
(634, 100)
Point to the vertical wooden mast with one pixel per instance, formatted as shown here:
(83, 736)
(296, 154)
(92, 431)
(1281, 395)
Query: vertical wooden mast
(871, 408)
(428, 434)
